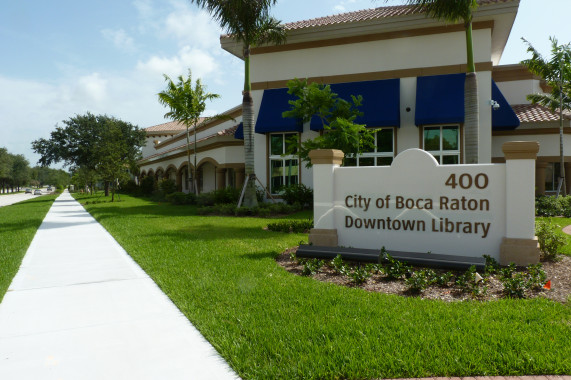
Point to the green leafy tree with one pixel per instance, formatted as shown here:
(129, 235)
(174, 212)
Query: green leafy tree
(20, 171)
(461, 11)
(249, 23)
(336, 115)
(5, 168)
(186, 104)
(556, 71)
(93, 143)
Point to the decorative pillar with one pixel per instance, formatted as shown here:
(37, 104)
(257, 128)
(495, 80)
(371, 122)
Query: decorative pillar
(240, 176)
(567, 167)
(324, 162)
(520, 245)
(220, 178)
(540, 177)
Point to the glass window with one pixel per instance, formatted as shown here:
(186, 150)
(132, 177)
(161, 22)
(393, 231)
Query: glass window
(284, 164)
(443, 142)
(552, 176)
(381, 154)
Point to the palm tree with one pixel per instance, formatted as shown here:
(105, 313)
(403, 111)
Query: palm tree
(557, 73)
(249, 22)
(455, 11)
(186, 105)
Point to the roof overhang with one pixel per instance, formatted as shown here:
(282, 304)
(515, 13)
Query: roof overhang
(501, 15)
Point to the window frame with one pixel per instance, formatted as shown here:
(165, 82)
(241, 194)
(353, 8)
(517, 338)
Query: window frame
(376, 154)
(272, 157)
(459, 152)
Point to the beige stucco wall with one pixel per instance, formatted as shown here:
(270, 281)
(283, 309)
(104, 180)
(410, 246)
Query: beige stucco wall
(394, 54)
(515, 92)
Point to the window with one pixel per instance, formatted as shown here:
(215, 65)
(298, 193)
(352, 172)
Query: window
(552, 176)
(443, 142)
(382, 154)
(284, 162)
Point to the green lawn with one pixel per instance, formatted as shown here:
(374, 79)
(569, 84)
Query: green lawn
(270, 324)
(18, 225)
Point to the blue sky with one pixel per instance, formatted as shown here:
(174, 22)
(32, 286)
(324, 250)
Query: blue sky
(64, 57)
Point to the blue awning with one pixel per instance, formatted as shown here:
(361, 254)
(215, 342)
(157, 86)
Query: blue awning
(440, 99)
(503, 118)
(274, 103)
(239, 134)
(380, 106)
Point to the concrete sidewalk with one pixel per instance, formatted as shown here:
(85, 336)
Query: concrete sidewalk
(81, 308)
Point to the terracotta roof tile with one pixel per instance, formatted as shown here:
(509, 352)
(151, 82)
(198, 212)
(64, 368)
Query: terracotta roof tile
(368, 14)
(171, 126)
(533, 113)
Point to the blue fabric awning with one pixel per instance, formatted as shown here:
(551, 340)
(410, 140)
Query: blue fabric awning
(380, 106)
(274, 103)
(440, 99)
(504, 118)
(239, 134)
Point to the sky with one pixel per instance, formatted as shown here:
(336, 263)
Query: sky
(61, 58)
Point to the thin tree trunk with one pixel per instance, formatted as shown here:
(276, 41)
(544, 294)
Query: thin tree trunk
(250, 199)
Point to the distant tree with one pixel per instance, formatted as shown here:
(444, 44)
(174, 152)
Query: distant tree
(249, 23)
(557, 73)
(20, 171)
(186, 103)
(92, 143)
(336, 115)
(454, 11)
(5, 168)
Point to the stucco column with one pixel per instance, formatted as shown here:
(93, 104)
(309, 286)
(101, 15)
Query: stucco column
(240, 176)
(520, 245)
(324, 162)
(540, 177)
(220, 178)
(568, 176)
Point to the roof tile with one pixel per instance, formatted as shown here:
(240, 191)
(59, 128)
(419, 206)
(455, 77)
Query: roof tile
(533, 113)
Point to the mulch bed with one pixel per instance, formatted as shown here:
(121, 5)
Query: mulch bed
(559, 272)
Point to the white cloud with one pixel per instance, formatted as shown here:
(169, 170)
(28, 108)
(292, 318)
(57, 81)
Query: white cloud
(201, 62)
(92, 88)
(339, 8)
(192, 27)
(120, 39)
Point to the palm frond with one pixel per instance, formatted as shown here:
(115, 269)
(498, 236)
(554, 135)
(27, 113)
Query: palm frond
(447, 10)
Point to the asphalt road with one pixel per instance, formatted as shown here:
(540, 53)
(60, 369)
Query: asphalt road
(9, 199)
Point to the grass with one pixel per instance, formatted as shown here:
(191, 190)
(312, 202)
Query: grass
(270, 324)
(18, 225)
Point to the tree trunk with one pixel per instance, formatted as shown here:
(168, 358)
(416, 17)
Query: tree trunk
(471, 119)
(106, 188)
(250, 199)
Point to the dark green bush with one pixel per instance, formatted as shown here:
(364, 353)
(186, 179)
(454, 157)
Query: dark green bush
(167, 186)
(227, 195)
(148, 185)
(298, 194)
(180, 198)
(298, 226)
(128, 187)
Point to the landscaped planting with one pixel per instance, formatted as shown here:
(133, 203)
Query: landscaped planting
(18, 225)
(269, 324)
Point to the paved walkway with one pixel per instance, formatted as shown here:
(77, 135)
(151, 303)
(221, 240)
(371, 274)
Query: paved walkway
(81, 308)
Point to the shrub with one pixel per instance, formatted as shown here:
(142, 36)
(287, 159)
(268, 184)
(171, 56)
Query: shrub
(550, 241)
(167, 186)
(394, 269)
(311, 266)
(546, 205)
(128, 187)
(515, 285)
(359, 274)
(148, 185)
(298, 194)
(471, 282)
(418, 281)
(227, 195)
(179, 198)
(536, 276)
(565, 206)
(298, 226)
(205, 199)
(338, 266)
